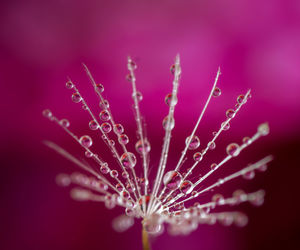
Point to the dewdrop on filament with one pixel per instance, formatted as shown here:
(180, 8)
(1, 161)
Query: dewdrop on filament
(173, 197)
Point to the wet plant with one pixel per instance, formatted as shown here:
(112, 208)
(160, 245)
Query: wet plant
(168, 198)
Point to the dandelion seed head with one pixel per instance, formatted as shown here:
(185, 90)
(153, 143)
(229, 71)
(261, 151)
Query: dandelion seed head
(165, 199)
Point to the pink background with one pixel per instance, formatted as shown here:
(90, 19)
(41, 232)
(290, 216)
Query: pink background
(256, 44)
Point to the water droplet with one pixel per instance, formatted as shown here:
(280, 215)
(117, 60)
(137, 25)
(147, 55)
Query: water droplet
(86, 141)
(239, 195)
(257, 199)
(129, 212)
(240, 99)
(233, 149)
(111, 143)
(76, 97)
(47, 113)
(119, 187)
(123, 139)
(88, 154)
(213, 166)
(80, 194)
(194, 142)
(139, 96)
(104, 115)
(217, 92)
(226, 125)
(104, 168)
(130, 188)
(247, 140)
(218, 198)
(110, 204)
(132, 65)
(240, 219)
(168, 125)
(263, 168)
(125, 175)
(69, 85)
(172, 69)
(65, 123)
(129, 77)
(63, 180)
(249, 175)
(186, 187)
(128, 160)
(118, 129)
(172, 180)
(106, 127)
(211, 145)
(214, 133)
(194, 194)
(170, 100)
(99, 88)
(143, 148)
(103, 186)
(104, 104)
(230, 113)
(263, 129)
(153, 224)
(93, 125)
(84, 107)
(114, 173)
(125, 194)
(225, 219)
(198, 156)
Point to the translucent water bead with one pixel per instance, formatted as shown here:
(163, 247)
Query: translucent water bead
(63, 180)
(211, 145)
(93, 125)
(233, 149)
(168, 125)
(153, 224)
(104, 104)
(123, 139)
(172, 69)
(186, 187)
(106, 127)
(86, 141)
(69, 85)
(76, 97)
(230, 113)
(170, 100)
(198, 156)
(217, 92)
(114, 173)
(194, 142)
(142, 148)
(138, 95)
(99, 88)
(104, 168)
(65, 123)
(249, 175)
(118, 129)
(131, 64)
(104, 115)
(226, 125)
(172, 180)
(47, 113)
(128, 160)
(218, 198)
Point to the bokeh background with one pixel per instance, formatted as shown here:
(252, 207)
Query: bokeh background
(257, 45)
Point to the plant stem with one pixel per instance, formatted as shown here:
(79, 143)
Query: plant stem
(146, 243)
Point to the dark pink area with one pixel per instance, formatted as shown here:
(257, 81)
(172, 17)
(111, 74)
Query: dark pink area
(256, 44)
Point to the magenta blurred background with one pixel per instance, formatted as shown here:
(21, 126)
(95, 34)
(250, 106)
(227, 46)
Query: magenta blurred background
(256, 44)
